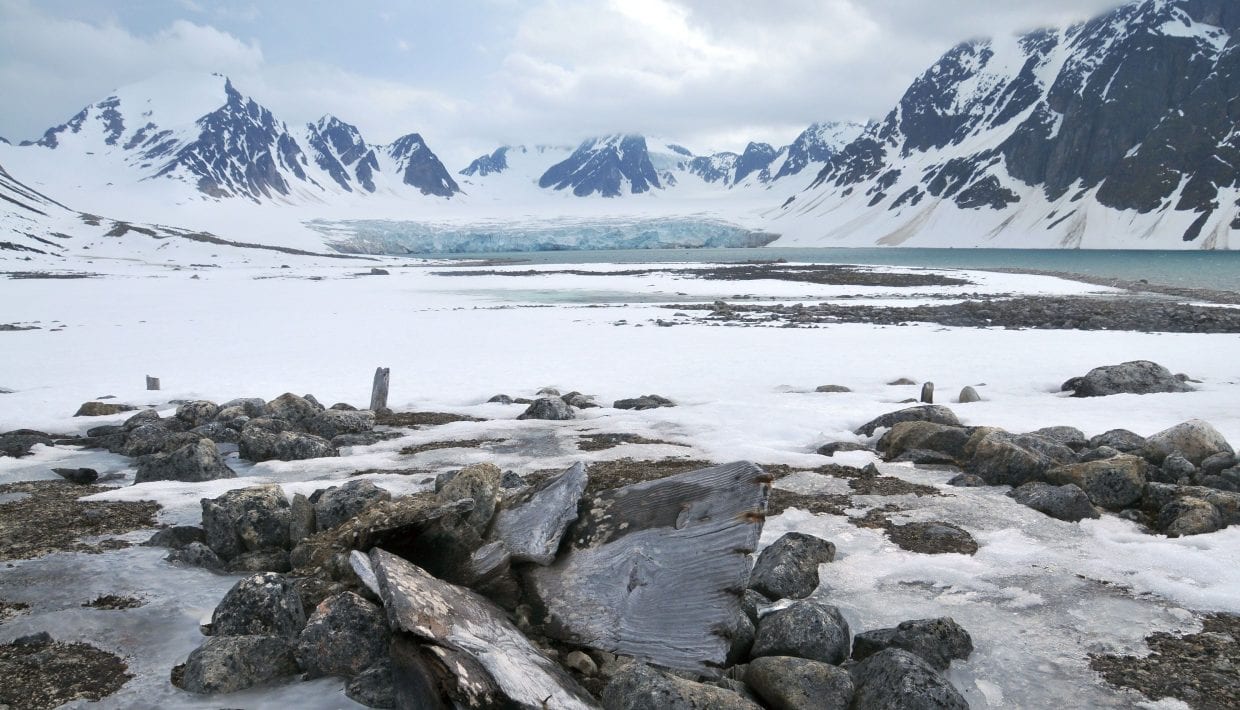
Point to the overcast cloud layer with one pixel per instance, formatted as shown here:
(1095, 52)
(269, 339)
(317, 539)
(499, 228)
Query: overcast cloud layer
(469, 76)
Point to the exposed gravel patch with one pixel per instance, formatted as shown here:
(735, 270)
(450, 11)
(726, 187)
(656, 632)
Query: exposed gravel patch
(52, 519)
(824, 274)
(602, 442)
(114, 602)
(416, 420)
(35, 676)
(454, 444)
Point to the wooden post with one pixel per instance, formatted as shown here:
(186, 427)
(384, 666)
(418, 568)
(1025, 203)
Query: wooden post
(927, 393)
(379, 392)
(152, 383)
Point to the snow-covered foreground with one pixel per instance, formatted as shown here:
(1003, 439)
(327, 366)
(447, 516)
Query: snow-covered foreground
(1038, 597)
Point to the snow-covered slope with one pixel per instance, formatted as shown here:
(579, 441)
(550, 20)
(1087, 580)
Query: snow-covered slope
(1118, 132)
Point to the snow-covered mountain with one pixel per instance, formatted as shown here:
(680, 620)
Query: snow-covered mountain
(1119, 132)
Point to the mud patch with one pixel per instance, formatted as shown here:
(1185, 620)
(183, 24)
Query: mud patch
(9, 610)
(1201, 669)
(114, 603)
(602, 442)
(41, 673)
(890, 486)
(454, 444)
(417, 420)
(53, 519)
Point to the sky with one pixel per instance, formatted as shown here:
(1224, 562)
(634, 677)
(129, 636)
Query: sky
(471, 75)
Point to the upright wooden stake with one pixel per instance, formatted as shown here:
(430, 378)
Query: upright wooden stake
(927, 393)
(152, 383)
(379, 393)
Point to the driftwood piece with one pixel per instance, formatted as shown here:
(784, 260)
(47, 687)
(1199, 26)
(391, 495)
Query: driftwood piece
(414, 682)
(458, 621)
(927, 393)
(379, 391)
(656, 570)
(152, 383)
(532, 524)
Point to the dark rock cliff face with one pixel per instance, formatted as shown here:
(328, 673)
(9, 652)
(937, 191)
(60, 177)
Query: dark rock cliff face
(755, 159)
(605, 166)
(714, 168)
(338, 147)
(420, 168)
(482, 166)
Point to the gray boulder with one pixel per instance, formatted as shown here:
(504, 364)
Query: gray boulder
(479, 482)
(1119, 439)
(1195, 440)
(550, 408)
(198, 461)
(302, 523)
(832, 389)
(253, 407)
(264, 604)
(894, 679)
(373, 686)
(532, 523)
(1189, 516)
(936, 641)
(903, 437)
(195, 414)
(293, 409)
(788, 567)
(344, 636)
(1097, 454)
(933, 538)
(246, 520)
(579, 400)
(196, 554)
(935, 413)
(1176, 468)
(1113, 484)
(968, 395)
(331, 423)
(1067, 502)
(226, 664)
(176, 537)
(967, 480)
(751, 602)
(805, 629)
(102, 409)
(1136, 377)
(1158, 495)
(1216, 464)
(337, 504)
(260, 561)
(1069, 436)
(640, 687)
(263, 440)
(648, 401)
(20, 442)
(1008, 459)
(786, 683)
(835, 447)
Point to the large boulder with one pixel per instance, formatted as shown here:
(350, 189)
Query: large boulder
(102, 409)
(551, 408)
(343, 637)
(226, 664)
(1159, 495)
(479, 482)
(933, 537)
(788, 567)
(1002, 458)
(1189, 516)
(805, 629)
(331, 423)
(924, 435)
(267, 439)
(531, 523)
(198, 461)
(293, 409)
(646, 401)
(337, 504)
(1113, 483)
(1121, 440)
(197, 413)
(640, 687)
(936, 641)
(1069, 436)
(894, 679)
(787, 683)
(246, 520)
(935, 413)
(1067, 502)
(264, 604)
(253, 407)
(1136, 377)
(20, 442)
(1195, 440)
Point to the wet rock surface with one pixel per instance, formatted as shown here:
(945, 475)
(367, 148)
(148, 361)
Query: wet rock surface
(226, 664)
(788, 567)
(894, 678)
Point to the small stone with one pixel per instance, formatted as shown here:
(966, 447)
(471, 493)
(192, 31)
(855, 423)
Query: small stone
(640, 687)
(1121, 440)
(936, 413)
(176, 537)
(196, 554)
(581, 663)
(77, 476)
(788, 567)
(649, 401)
(933, 538)
(832, 389)
(967, 480)
(968, 395)
(836, 447)
(500, 399)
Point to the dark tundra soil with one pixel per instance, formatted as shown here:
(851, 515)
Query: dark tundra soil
(824, 274)
(37, 672)
(50, 518)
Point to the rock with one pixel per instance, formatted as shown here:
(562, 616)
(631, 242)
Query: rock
(1189, 516)
(261, 440)
(751, 602)
(1158, 495)
(649, 401)
(144, 440)
(927, 393)
(640, 687)
(832, 389)
(19, 443)
(788, 567)
(968, 395)
(1216, 464)
(581, 663)
(805, 629)
(1176, 467)
(532, 523)
(246, 520)
(218, 432)
(742, 640)
(836, 447)
(1008, 459)
(366, 438)
(1097, 454)
(199, 461)
(479, 482)
(551, 408)
(226, 664)
(197, 413)
(331, 423)
(1113, 484)
(924, 435)
(500, 399)
(77, 476)
(344, 636)
(293, 409)
(302, 523)
(925, 457)
(1136, 377)
(511, 481)
(1067, 502)
(935, 413)
(253, 407)
(967, 480)
(337, 504)
(579, 400)
(894, 679)
(935, 641)
(196, 554)
(1195, 440)
(548, 392)
(1069, 436)
(933, 538)
(1121, 440)
(102, 409)
(901, 382)
(373, 686)
(456, 620)
(682, 543)
(176, 537)
(787, 683)
(264, 604)
(260, 561)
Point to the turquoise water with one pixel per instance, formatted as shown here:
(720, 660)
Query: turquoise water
(1194, 269)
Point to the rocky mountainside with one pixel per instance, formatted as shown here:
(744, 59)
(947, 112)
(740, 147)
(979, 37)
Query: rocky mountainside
(1108, 131)
(608, 166)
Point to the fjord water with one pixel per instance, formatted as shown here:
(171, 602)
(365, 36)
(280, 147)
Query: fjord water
(1218, 270)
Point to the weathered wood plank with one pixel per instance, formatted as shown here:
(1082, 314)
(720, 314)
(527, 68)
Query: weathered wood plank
(379, 390)
(656, 569)
(460, 621)
(532, 525)
(152, 383)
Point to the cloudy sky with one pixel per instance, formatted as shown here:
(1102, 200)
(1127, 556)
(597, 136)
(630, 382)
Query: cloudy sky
(473, 74)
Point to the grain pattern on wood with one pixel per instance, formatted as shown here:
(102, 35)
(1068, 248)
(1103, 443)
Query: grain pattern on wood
(379, 391)
(462, 622)
(656, 570)
(532, 524)
(927, 393)
(152, 383)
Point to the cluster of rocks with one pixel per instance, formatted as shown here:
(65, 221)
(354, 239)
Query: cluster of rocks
(1184, 480)
(490, 593)
(552, 406)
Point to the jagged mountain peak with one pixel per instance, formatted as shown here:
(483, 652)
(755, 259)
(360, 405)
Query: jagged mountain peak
(419, 167)
(607, 165)
(489, 164)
